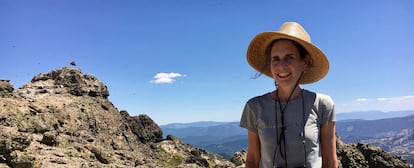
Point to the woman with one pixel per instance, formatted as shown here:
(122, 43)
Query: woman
(289, 127)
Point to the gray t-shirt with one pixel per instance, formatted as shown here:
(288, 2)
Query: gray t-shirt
(259, 115)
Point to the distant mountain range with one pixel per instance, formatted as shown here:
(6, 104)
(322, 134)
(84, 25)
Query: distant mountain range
(193, 124)
(372, 115)
(371, 127)
(224, 138)
(213, 136)
(361, 115)
(395, 135)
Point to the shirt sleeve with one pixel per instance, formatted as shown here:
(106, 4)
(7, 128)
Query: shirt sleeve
(327, 108)
(249, 118)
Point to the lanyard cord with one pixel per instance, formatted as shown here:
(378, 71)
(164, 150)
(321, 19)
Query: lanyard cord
(283, 128)
(304, 133)
(282, 111)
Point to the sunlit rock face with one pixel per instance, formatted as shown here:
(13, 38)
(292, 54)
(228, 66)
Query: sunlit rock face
(64, 118)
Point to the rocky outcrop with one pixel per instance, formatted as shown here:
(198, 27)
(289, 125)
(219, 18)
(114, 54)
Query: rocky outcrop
(64, 119)
(239, 158)
(6, 88)
(61, 81)
(366, 155)
(143, 127)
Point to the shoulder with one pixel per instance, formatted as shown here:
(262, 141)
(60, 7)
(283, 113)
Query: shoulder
(324, 103)
(258, 99)
(319, 100)
(324, 99)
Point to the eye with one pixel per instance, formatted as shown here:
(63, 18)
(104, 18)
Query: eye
(291, 57)
(275, 59)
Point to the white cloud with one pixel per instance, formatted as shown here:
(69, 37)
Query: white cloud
(403, 98)
(162, 77)
(381, 104)
(362, 100)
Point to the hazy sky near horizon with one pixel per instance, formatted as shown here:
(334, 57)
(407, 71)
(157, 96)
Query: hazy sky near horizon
(185, 60)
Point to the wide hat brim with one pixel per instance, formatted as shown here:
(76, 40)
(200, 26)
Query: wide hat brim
(257, 56)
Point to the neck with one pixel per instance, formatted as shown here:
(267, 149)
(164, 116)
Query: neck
(284, 93)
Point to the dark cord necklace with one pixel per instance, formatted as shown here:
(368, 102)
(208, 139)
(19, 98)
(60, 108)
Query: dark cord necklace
(281, 137)
(283, 127)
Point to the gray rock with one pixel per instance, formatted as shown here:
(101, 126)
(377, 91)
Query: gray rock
(366, 155)
(143, 127)
(239, 158)
(49, 138)
(6, 88)
(69, 80)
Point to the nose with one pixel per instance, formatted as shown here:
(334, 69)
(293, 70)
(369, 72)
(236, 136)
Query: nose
(283, 63)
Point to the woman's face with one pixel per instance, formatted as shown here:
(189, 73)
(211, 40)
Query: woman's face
(286, 63)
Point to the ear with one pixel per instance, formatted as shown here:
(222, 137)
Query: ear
(307, 61)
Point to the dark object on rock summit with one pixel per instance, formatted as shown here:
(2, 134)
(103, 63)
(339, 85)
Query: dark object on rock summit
(73, 63)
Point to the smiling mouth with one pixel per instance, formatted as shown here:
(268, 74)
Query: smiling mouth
(283, 75)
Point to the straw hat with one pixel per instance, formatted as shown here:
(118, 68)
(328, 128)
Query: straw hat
(257, 56)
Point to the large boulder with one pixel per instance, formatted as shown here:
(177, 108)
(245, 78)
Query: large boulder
(143, 127)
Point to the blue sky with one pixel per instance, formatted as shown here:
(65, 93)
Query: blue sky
(185, 60)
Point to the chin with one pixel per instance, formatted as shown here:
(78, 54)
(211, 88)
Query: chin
(285, 82)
